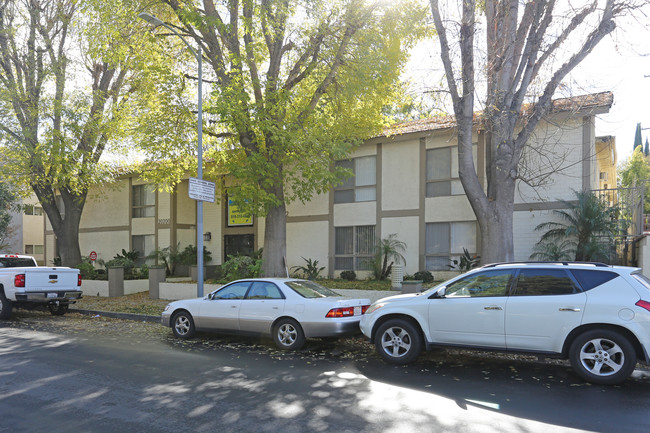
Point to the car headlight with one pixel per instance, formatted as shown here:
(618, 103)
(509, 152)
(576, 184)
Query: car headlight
(374, 307)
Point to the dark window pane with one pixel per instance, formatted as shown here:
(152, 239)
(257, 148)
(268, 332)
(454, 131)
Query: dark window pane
(344, 196)
(439, 164)
(589, 279)
(365, 240)
(538, 282)
(437, 238)
(343, 242)
(343, 263)
(438, 189)
(349, 165)
(437, 263)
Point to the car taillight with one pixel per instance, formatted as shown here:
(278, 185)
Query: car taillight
(79, 280)
(19, 280)
(340, 312)
(347, 311)
(643, 304)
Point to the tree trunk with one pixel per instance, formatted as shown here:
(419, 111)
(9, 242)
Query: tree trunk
(275, 242)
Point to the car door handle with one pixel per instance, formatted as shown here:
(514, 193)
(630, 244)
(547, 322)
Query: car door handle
(492, 307)
(573, 309)
(233, 306)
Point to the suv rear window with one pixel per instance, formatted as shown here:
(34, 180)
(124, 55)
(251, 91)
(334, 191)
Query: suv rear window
(588, 279)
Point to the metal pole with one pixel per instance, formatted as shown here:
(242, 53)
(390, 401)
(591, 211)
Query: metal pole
(199, 204)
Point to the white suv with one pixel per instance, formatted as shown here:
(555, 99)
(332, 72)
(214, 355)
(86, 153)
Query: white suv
(596, 315)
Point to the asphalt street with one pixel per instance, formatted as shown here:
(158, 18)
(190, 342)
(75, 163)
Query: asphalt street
(53, 380)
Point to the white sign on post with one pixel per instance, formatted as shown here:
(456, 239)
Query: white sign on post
(201, 190)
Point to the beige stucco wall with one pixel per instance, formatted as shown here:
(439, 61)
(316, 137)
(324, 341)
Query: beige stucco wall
(355, 214)
(318, 205)
(400, 175)
(407, 230)
(559, 151)
(308, 240)
(212, 222)
(450, 208)
(105, 244)
(185, 206)
(107, 207)
(143, 226)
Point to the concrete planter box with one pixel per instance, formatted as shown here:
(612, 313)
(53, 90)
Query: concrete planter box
(100, 287)
(174, 291)
(412, 286)
(157, 275)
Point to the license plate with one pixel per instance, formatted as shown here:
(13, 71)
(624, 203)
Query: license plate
(357, 311)
(54, 295)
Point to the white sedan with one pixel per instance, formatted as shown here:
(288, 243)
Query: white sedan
(290, 310)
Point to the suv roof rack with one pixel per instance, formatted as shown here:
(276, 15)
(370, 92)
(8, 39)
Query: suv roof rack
(565, 263)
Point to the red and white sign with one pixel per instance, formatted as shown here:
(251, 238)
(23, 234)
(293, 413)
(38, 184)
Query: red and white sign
(93, 256)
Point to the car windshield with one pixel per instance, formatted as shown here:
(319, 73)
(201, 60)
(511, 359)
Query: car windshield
(309, 289)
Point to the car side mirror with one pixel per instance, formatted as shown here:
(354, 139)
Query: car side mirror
(438, 294)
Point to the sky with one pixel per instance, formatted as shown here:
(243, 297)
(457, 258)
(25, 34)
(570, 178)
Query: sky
(620, 63)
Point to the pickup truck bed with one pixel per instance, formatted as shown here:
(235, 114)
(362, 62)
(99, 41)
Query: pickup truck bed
(23, 284)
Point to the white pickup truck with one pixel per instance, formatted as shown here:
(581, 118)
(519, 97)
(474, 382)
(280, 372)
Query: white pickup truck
(24, 284)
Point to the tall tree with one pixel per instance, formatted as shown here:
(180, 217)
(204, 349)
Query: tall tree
(646, 148)
(8, 201)
(297, 84)
(530, 47)
(638, 139)
(66, 75)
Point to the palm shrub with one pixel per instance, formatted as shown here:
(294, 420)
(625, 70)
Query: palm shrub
(387, 252)
(310, 270)
(585, 228)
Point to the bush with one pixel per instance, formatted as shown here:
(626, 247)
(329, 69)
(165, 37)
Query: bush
(190, 255)
(87, 270)
(425, 276)
(238, 267)
(349, 275)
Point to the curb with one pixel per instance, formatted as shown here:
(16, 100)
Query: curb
(124, 316)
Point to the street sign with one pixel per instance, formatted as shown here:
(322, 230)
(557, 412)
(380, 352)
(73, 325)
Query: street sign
(93, 256)
(202, 190)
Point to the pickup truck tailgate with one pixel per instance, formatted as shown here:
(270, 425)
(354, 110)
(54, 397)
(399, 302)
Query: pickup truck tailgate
(45, 279)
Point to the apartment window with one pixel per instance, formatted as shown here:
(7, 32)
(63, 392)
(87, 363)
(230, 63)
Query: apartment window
(30, 209)
(354, 248)
(442, 172)
(446, 241)
(144, 201)
(144, 245)
(362, 186)
(34, 249)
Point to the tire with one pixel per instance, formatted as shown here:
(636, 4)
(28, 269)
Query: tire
(183, 325)
(602, 357)
(5, 306)
(288, 335)
(58, 309)
(398, 341)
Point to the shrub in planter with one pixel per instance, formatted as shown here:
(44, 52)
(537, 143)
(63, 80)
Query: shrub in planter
(425, 276)
(349, 275)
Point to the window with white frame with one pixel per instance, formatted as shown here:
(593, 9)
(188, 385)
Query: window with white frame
(30, 209)
(362, 186)
(354, 248)
(442, 172)
(34, 249)
(446, 241)
(144, 201)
